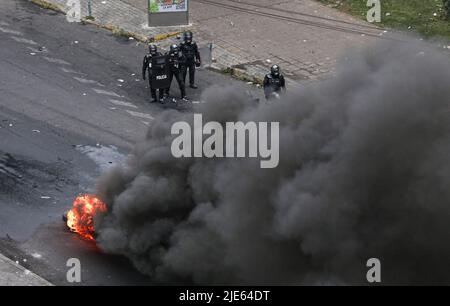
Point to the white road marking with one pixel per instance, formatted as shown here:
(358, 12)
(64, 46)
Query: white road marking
(3, 23)
(146, 122)
(122, 103)
(36, 255)
(56, 61)
(86, 81)
(24, 40)
(71, 71)
(8, 31)
(105, 92)
(104, 156)
(140, 115)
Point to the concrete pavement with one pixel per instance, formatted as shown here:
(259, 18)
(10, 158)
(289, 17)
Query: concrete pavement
(305, 37)
(13, 274)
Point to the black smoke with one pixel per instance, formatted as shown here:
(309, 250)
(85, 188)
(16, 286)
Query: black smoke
(364, 172)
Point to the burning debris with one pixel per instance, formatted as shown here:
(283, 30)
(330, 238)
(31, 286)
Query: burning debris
(80, 219)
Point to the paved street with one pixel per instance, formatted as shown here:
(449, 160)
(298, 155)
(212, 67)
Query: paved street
(72, 104)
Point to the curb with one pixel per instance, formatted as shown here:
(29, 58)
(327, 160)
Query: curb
(241, 74)
(48, 5)
(237, 73)
(25, 274)
(115, 29)
(161, 37)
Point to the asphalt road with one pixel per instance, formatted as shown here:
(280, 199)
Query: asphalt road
(72, 104)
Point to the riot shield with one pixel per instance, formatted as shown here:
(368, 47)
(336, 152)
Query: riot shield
(160, 76)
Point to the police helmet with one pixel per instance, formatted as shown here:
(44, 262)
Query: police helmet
(275, 70)
(152, 49)
(174, 48)
(188, 36)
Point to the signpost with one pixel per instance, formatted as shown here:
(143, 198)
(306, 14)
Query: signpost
(168, 12)
(89, 9)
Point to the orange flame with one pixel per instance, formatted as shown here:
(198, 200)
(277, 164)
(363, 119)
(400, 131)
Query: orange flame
(80, 217)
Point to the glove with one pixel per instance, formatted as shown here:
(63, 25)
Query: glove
(198, 64)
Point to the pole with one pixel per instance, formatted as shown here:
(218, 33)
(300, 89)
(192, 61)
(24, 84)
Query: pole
(89, 8)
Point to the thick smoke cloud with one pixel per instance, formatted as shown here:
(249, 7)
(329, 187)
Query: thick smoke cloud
(364, 172)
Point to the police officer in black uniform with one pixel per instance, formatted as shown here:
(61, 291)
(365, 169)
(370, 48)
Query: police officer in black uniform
(177, 63)
(190, 50)
(274, 83)
(147, 65)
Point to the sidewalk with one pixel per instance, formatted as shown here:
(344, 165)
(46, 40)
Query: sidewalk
(12, 274)
(303, 36)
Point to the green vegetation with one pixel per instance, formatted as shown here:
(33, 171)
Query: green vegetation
(154, 7)
(429, 18)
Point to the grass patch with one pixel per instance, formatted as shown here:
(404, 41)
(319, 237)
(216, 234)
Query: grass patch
(426, 17)
(226, 70)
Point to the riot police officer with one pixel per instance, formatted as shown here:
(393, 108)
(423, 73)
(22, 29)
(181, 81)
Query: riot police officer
(177, 63)
(274, 83)
(190, 50)
(147, 65)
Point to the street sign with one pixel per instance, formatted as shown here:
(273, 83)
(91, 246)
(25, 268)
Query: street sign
(168, 12)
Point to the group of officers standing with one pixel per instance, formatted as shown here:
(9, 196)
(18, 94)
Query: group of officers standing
(180, 59)
(174, 64)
